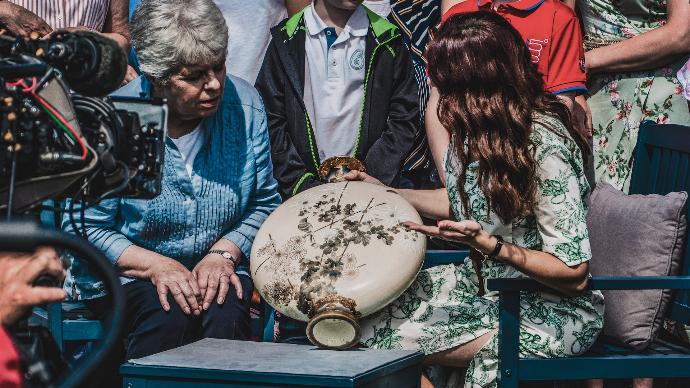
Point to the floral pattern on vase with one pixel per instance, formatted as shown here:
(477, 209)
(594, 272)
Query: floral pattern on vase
(441, 310)
(325, 240)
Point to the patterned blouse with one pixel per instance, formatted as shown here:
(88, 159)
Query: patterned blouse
(621, 101)
(557, 225)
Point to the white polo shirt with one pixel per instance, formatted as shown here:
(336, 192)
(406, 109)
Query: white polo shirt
(334, 81)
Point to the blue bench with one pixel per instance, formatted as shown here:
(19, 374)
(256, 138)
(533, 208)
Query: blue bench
(662, 165)
(68, 321)
(435, 258)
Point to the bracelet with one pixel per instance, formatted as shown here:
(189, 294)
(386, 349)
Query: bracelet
(591, 42)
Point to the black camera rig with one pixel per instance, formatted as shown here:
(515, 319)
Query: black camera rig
(55, 143)
(61, 139)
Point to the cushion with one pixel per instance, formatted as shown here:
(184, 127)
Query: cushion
(635, 235)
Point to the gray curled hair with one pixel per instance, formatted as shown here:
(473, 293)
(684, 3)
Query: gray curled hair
(169, 34)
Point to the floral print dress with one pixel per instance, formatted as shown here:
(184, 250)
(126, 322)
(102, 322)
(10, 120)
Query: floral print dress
(442, 310)
(621, 101)
(684, 79)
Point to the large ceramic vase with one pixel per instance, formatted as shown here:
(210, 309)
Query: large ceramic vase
(335, 253)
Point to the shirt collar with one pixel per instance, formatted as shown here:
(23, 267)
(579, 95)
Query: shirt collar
(357, 25)
(521, 5)
(313, 22)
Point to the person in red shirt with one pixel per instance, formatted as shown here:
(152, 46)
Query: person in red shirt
(18, 295)
(551, 31)
(10, 373)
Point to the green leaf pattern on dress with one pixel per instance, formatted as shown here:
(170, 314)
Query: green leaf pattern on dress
(441, 309)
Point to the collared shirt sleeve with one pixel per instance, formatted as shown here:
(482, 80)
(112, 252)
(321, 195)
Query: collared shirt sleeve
(264, 197)
(99, 222)
(566, 70)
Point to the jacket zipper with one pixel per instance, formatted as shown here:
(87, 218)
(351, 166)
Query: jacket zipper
(366, 84)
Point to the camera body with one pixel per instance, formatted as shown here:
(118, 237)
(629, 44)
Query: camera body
(56, 143)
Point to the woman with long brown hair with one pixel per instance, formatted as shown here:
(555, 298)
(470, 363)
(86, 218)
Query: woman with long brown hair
(516, 186)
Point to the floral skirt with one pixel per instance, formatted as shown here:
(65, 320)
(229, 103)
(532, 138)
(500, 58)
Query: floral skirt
(441, 310)
(619, 103)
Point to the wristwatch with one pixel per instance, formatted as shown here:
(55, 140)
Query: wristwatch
(226, 255)
(497, 248)
(494, 253)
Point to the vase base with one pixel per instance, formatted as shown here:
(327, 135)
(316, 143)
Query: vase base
(334, 327)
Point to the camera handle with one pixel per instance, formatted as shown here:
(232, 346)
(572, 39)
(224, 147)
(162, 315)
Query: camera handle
(23, 236)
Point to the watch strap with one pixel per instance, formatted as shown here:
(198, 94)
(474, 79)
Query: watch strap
(497, 249)
(227, 255)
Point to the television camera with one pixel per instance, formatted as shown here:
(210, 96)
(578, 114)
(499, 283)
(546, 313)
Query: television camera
(60, 138)
(57, 143)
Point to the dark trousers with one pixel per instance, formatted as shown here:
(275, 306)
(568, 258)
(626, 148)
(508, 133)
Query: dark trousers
(148, 329)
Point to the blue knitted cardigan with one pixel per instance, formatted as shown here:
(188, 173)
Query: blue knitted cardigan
(230, 193)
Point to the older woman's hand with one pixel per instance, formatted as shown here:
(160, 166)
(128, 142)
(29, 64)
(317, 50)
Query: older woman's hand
(214, 274)
(169, 275)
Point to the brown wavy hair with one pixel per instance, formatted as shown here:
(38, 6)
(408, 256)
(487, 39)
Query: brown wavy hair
(489, 91)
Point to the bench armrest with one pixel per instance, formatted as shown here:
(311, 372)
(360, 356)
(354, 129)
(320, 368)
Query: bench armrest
(509, 310)
(599, 283)
(433, 258)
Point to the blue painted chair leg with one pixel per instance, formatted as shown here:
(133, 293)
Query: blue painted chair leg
(55, 323)
(269, 317)
(509, 337)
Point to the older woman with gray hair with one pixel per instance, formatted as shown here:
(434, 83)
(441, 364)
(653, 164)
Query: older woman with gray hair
(184, 255)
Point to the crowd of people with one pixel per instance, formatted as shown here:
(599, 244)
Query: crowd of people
(493, 117)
